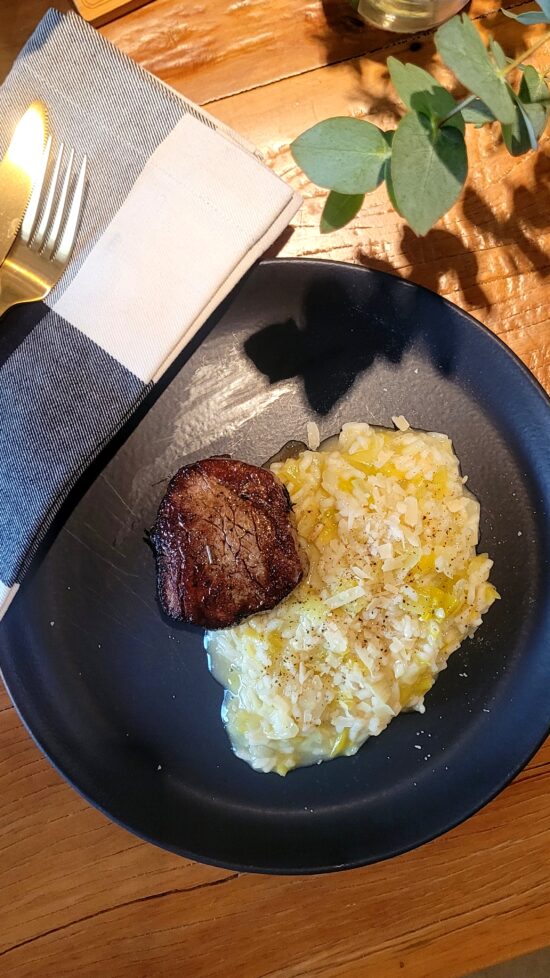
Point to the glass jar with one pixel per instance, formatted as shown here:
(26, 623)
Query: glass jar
(407, 16)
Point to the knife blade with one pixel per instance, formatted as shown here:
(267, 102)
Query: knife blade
(18, 170)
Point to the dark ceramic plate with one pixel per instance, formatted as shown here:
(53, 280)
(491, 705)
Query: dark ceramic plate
(121, 700)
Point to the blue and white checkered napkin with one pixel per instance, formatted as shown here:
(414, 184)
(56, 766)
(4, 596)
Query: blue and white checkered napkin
(177, 209)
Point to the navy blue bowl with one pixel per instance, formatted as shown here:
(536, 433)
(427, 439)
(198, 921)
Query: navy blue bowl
(120, 698)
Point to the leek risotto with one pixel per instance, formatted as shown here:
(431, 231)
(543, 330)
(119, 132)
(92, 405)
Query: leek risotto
(393, 587)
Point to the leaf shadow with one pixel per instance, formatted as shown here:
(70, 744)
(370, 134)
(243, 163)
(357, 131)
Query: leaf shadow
(342, 33)
(440, 253)
(387, 109)
(431, 259)
(528, 214)
(329, 360)
(345, 36)
(384, 111)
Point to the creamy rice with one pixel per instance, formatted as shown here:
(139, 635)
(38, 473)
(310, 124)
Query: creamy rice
(394, 586)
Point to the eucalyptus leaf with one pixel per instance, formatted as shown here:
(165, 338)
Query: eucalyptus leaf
(534, 95)
(428, 168)
(419, 91)
(346, 155)
(390, 187)
(461, 48)
(501, 60)
(339, 210)
(531, 17)
(409, 79)
(533, 84)
(516, 136)
(477, 113)
(424, 161)
(528, 125)
(520, 137)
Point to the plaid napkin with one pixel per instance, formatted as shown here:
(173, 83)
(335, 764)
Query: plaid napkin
(177, 209)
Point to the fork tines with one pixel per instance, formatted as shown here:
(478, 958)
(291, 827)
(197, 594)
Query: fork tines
(52, 215)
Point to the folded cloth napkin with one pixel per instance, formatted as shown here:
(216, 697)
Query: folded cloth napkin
(177, 209)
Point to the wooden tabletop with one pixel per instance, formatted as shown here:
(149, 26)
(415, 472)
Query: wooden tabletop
(79, 896)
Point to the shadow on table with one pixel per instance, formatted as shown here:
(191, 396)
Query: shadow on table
(440, 252)
(345, 30)
(278, 245)
(528, 215)
(431, 258)
(343, 27)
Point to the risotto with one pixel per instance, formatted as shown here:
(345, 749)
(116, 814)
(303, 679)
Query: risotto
(393, 587)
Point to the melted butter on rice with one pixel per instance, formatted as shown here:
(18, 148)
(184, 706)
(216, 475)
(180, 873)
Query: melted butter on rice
(394, 586)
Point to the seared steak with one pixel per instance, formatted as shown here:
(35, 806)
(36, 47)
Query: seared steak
(224, 543)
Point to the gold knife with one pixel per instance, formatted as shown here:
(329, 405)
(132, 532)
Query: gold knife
(18, 171)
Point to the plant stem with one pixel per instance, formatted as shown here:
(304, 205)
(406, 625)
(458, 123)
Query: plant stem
(505, 71)
(526, 54)
(458, 108)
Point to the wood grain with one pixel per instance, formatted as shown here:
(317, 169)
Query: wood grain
(99, 12)
(81, 897)
(214, 49)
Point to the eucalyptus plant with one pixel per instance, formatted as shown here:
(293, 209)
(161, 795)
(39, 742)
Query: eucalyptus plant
(424, 161)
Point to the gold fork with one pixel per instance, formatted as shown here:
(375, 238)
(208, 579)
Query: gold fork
(41, 251)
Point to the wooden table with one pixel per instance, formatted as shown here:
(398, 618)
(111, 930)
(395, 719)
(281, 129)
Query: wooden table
(79, 896)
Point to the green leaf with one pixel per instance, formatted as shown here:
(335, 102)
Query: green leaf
(501, 60)
(419, 91)
(528, 125)
(477, 113)
(462, 49)
(531, 17)
(534, 95)
(428, 168)
(346, 155)
(520, 137)
(339, 210)
(534, 84)
(390, 187)
(409, 79)
(516, 135)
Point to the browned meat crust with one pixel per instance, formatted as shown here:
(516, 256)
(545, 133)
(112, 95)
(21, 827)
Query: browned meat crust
(224, 543)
